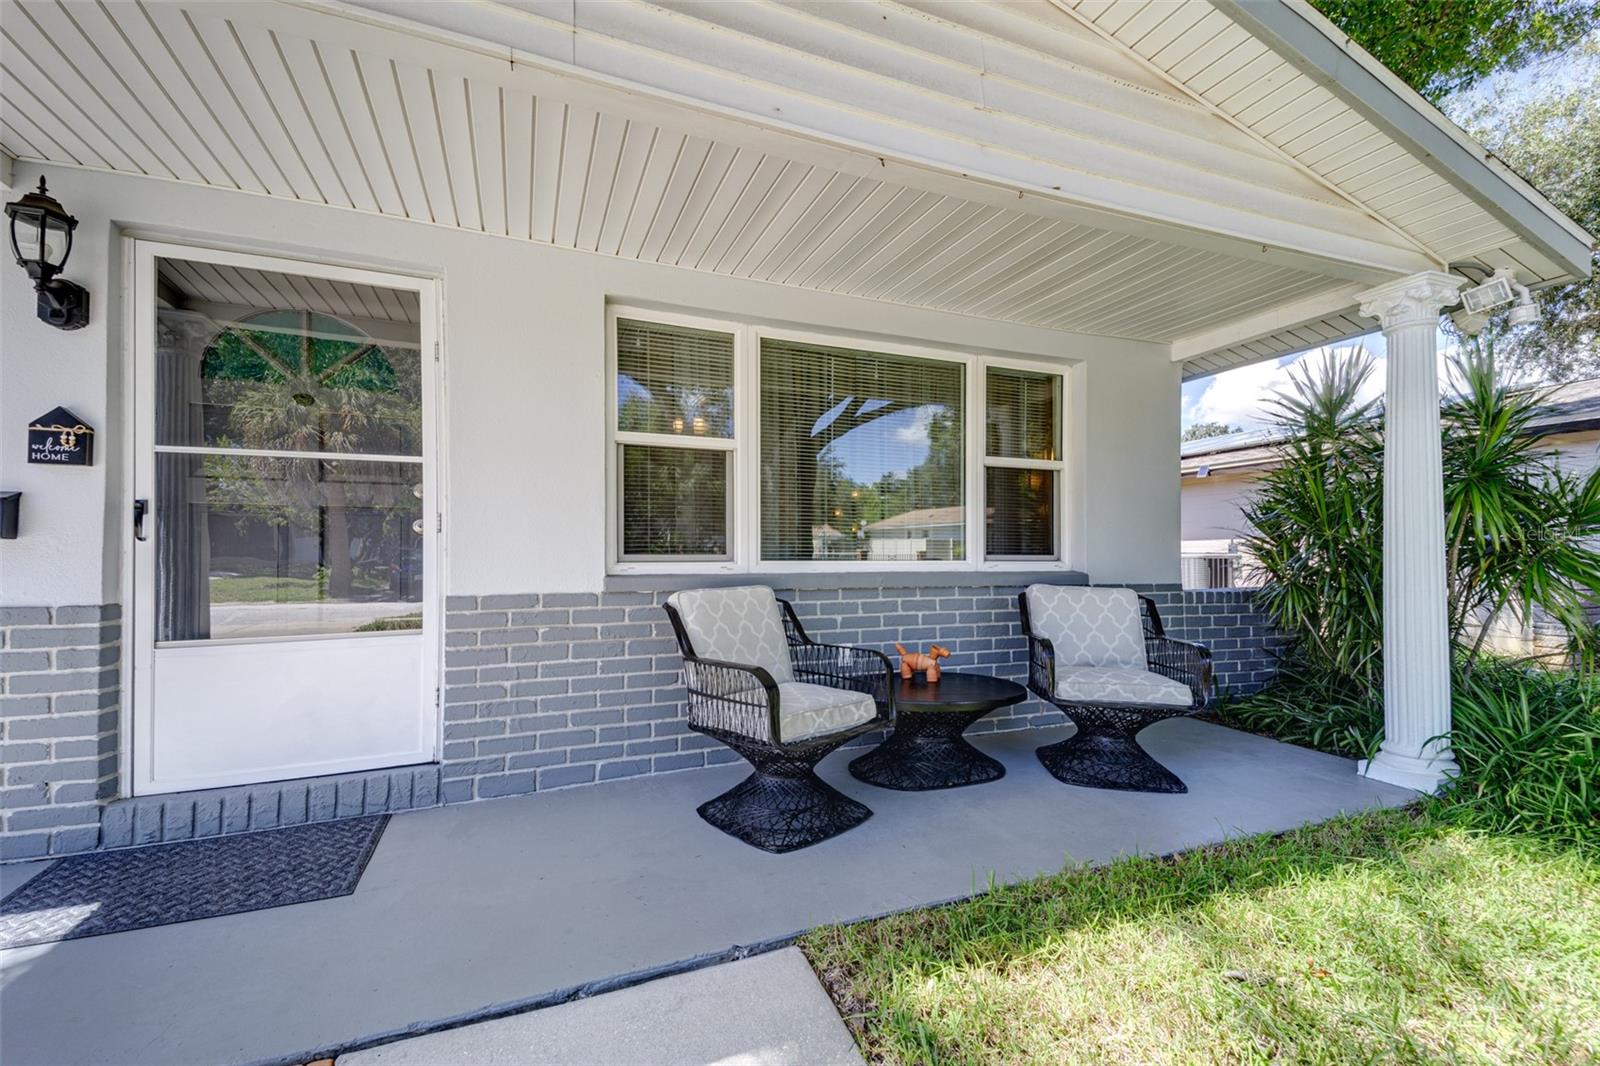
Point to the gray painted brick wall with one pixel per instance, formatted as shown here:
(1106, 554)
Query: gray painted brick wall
(59, 693)
(1243, 641)
(539, 692)
(549, 691)
(245, 808)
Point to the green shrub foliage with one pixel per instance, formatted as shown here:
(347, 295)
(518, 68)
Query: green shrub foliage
(1528, 741)
(1520, 534)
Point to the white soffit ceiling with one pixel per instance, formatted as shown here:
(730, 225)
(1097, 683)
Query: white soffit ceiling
(1210, 48)
(1200, 46)
(1111, 201)
(298, 103)
(246, 290)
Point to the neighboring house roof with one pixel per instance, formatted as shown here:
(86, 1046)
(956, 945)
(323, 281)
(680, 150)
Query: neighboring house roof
(1227, 442)
(1218, 177)
(923, 518)
(1570, 408)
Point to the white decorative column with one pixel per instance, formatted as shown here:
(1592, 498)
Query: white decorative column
(1416, 634)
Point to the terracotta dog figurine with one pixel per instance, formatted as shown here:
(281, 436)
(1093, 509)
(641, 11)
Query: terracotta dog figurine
(912, 661)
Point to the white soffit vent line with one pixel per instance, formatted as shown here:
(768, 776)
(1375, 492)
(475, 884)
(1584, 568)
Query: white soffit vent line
(1069, 7)
(269, 99)
(1300, 237)
(1282, 70)
(1435, 117)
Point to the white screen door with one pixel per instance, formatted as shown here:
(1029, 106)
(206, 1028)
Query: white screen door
(285, 618)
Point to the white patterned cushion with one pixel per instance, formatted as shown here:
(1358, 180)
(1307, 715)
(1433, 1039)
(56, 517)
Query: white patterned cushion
(1088, 626)
(736, 625)
(1090, 684)
(807, 710)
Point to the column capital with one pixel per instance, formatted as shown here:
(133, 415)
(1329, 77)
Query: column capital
(1412, 300)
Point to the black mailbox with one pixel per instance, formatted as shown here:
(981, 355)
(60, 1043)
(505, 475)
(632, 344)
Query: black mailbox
(10, 504)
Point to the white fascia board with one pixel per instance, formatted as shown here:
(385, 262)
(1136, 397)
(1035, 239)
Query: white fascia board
(8, 165)
(1341, 300)
(547, 40)
(1317, 47)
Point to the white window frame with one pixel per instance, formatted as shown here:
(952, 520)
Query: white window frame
(730, 447)
(744, 484)
(1058, 464)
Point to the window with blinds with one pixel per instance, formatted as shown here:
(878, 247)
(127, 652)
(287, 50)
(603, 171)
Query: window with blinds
(861, 455)
(674, 438)
(674, 380)
(1022, 463)
(861, 458)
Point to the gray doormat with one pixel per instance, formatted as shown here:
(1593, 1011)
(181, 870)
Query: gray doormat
(136, 888)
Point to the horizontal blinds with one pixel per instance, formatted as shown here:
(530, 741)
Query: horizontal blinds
(674, 502)
(861, 455)
(1022, 414)
(674, 380)
(1020, 513)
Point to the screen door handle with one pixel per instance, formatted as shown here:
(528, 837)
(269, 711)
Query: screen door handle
(140, 509)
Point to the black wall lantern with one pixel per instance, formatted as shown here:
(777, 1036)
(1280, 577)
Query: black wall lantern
(41, 239)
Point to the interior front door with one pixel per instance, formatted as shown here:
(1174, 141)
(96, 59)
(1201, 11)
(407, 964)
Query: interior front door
(285, 610)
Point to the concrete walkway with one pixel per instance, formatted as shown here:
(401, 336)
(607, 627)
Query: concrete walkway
(480, 908)
(763, 1011)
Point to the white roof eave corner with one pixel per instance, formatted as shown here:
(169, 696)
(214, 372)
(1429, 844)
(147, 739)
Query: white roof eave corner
(1306, 38)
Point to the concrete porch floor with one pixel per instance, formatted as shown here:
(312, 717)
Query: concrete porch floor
(479, 909)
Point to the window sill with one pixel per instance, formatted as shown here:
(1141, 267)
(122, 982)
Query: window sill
(844, 579)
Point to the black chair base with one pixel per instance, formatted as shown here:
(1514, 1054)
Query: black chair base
(1104, 754)
(783, 805)
(927, 751)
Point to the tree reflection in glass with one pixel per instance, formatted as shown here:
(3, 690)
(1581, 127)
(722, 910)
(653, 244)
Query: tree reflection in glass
(280, 540)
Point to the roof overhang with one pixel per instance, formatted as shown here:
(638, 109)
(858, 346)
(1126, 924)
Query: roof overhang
(1315, 45)
(1076, 166)
(830, 82)
(1283, 71)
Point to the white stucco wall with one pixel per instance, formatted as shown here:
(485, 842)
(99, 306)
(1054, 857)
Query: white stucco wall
(1576, 453)
(524, 346)
(1212, 505)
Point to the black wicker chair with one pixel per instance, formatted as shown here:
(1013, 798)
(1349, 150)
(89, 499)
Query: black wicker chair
(1111, 702)
(775, 714)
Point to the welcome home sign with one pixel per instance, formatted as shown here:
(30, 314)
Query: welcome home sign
(60, 438)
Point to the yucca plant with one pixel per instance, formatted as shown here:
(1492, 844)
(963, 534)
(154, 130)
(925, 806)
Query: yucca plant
(1317, 524)
(1520, 532)
(1520, 535)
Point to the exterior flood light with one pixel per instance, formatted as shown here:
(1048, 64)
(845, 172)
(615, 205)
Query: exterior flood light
(41, 240)
(1525, 313)
(1501, 288)
(1491, 294)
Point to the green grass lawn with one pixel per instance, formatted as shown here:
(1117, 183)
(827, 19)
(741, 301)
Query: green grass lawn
(279, 588)
(1387, 937)
(264, 588)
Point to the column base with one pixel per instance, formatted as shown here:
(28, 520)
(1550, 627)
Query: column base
(1419, 775)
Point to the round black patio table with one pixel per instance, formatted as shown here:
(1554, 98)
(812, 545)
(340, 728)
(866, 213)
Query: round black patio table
(926, 749)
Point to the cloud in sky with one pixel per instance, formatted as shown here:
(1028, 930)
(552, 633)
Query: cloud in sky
(1243, 397)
